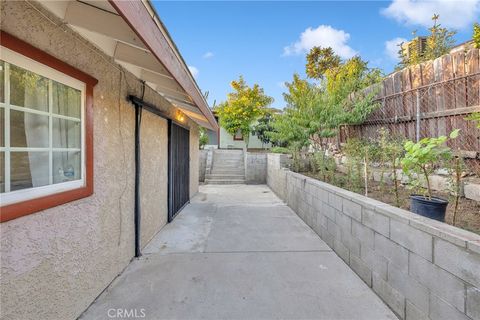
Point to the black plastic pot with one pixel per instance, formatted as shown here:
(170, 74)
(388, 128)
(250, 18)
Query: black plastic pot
(433, 209)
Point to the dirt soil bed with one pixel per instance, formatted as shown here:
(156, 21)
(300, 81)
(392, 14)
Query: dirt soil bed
(468, 213)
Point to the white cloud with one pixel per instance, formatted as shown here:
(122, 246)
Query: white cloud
(392, 47)
(323, 36)
(194, 71)
(208, 55)
(456, 14)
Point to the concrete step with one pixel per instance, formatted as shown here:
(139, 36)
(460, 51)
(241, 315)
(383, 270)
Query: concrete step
(219, 156)
(223, 163)
(228, 155)
(228, 161)
(225, 181)
(222, 176)
(228, 173)
(228, 169)
(228, 158)
(225, 166)
(228, 151)
(228, 165)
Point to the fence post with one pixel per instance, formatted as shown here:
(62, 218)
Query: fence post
(418, 117)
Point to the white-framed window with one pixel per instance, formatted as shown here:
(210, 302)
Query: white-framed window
(42, 129)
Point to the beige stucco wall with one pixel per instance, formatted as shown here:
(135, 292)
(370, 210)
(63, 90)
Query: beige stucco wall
(54, 263)
(153, 175)
(194, 160)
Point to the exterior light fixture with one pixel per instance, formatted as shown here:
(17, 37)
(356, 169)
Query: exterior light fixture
(180, 117)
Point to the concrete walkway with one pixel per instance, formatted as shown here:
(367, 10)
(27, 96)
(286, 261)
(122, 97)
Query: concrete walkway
(238, 252)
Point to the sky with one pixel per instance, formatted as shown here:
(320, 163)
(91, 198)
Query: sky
(267, 42)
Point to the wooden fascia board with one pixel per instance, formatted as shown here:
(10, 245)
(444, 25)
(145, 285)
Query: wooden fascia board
(137, 16)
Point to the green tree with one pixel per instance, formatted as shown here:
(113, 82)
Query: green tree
(203, 137)
(346, 94)
(343, 100)
(414, 56)
(340, 78)
(319, 60)
(439, 42)
(243, 106)
(314, 112)
(476, 35)
(290, 127)
(263, 127)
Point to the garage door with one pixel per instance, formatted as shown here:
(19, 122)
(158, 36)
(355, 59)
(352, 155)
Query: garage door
(179, 169)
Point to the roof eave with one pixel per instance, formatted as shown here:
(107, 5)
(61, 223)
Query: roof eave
(159, 42)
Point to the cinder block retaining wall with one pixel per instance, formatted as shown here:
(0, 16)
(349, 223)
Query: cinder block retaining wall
(203, 164)
(277, 174)
(421, 268)
(256, 168)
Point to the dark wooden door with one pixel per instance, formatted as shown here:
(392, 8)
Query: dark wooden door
(179, 169)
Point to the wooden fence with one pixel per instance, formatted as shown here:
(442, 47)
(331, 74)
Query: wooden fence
(429, 100)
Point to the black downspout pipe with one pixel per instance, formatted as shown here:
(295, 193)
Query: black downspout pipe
(138, 119)
(169, 170)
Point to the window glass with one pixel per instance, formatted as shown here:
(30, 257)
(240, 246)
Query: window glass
(2, 81)
(66, 100)
(29, 169)
(238, 135)
(28, 89)
(66, 133)
(44, 129)
(28, 130)
(66, 166)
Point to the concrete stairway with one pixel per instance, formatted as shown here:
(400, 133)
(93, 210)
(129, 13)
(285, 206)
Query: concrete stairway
(227, 167)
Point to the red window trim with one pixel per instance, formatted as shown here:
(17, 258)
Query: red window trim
(27, 207)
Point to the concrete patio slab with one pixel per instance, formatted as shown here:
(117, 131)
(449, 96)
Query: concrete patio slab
(237, 252)
(251, 228)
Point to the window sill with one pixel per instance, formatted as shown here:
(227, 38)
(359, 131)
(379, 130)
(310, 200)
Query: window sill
(20, 209)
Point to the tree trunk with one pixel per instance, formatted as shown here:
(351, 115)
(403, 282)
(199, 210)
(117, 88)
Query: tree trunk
(428, 183)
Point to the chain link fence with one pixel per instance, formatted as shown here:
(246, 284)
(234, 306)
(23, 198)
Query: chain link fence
(430, 100)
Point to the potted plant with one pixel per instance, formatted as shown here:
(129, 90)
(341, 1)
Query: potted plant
(418, 164)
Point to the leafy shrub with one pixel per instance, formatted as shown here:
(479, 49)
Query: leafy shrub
(475, 117)
(203, 138)
(422, 157)
(353, 151)
(390, 151)
(280, 150)
(326, 167)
